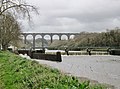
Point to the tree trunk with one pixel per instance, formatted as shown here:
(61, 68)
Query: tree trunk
(4, 47)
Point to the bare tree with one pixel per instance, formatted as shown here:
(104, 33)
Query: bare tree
(11, 32)
(16, 6)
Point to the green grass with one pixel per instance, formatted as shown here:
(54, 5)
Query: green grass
(20, 73)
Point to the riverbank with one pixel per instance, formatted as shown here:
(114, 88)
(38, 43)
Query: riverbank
(18, 73)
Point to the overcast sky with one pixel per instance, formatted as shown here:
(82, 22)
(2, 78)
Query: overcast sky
(74, 16)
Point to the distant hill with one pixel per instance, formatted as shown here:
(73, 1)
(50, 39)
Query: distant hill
(110, 38)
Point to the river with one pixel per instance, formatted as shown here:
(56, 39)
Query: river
(104, 69)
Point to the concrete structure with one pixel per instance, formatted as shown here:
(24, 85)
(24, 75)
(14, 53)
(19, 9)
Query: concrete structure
(44, 34)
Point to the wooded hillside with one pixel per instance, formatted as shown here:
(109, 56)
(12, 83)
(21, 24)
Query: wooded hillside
(110, 38)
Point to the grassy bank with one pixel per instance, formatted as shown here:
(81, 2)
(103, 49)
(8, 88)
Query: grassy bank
(19, 73)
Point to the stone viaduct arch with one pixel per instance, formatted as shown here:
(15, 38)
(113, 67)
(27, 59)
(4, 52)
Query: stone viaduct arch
(50, 34)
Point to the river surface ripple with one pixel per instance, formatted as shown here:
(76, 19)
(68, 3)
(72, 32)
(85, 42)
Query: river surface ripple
(102, 68)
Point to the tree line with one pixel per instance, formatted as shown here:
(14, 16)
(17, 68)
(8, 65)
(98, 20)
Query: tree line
(10, 28)
(110, 38)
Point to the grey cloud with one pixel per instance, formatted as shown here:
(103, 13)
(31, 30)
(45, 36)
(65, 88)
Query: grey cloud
(75, 15)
